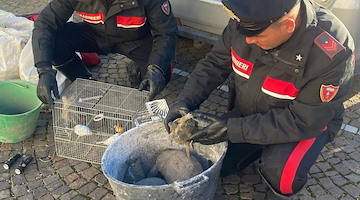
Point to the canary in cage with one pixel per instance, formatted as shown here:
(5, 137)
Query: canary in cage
(119, 129)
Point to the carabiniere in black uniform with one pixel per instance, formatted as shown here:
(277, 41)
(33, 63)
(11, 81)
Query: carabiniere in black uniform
(288, 99)
(143, 30)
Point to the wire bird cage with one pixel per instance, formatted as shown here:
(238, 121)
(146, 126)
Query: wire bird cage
(90, 113)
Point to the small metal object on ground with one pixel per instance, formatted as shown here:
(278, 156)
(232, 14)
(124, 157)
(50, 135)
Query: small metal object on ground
(11, 161)
(20, 169)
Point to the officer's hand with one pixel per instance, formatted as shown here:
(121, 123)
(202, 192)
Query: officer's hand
(215, 132)
(47, 84)
(154, 81)
(178, 110)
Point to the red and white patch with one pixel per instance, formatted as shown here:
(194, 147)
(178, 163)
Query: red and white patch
(328, 44)
(165, 7)
(92, 18)
(279, 89)
(241, 66)
(130, 22)
(328, 92)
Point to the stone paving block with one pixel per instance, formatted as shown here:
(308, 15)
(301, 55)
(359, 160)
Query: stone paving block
(55, 185)
(34, 184)
(348, 197)
(336, 192)
(46, 171)
(318, 175)
(34, 175)
(352, 190)
(19, 190)
(78, 183)
(18, 179)
(352, 165)
(28, 197)
(50, 179)
(246, 195)
(87, 188)
(327, 183)
(90, 173)
(81, 166)
(60, 191)
(69, 195)
(78, 197)
(101, 179)
(4, 185)
(342, 169)
(40, 191)
(71, 177)
(64, 171)
(339, 180)
(326, 197)
(317, 190)
(98, 193)
(5, 194)
(353, 178)
(324, 166)
(61, 163)
(331, 172)
(109, 196)
(46, 197)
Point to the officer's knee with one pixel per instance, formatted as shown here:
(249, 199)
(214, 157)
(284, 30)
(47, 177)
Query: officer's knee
(283, 183)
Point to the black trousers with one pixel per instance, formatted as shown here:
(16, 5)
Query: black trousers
(284, 167)
(79, 37)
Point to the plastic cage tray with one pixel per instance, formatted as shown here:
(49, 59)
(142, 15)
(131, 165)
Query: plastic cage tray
(100, 108)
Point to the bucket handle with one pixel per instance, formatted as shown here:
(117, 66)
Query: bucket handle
(18, 84)
(190, 184)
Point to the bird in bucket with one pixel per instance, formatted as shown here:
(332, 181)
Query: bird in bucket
(184, 127)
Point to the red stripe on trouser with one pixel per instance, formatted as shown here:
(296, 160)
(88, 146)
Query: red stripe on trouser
(292, 164)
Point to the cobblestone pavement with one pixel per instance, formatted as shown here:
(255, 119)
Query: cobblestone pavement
(336, 174)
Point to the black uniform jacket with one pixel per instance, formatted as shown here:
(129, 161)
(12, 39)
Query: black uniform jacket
(128, 22)
(288, 94)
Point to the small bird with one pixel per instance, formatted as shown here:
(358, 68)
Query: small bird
(119, 130)
(182, 128)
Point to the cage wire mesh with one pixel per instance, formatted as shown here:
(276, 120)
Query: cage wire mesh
(89, 113)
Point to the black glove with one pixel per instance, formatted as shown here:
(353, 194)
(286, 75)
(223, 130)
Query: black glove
(214, 133)
(47, 84)
(154, 79)
(178, 110)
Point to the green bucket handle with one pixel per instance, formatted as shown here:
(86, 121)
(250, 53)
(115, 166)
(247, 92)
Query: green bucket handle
(18, 84)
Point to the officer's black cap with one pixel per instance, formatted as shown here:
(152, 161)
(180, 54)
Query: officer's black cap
(256, 15)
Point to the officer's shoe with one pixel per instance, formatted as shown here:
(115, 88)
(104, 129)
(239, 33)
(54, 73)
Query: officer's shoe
(134, 74)
(272, 195)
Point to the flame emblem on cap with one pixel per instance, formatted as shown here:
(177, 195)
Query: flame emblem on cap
(231, 14)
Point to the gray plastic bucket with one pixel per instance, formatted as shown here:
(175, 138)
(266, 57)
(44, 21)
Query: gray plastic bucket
(148, 140)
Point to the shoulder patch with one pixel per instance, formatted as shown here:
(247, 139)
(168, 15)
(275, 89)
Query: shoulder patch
(328, 92)
(328, 44)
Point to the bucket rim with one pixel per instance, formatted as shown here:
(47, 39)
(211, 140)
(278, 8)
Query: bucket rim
(16, 81)
(155, 186)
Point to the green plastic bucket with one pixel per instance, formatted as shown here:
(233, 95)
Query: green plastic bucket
(19, 110)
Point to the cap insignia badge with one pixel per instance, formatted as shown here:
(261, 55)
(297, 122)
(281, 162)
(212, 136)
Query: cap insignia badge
(165, 7)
